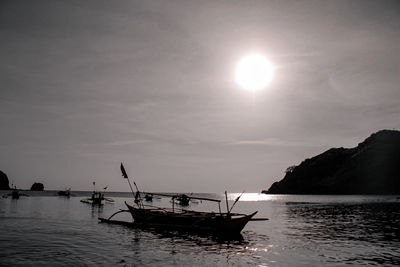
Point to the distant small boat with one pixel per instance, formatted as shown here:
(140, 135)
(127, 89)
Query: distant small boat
(182, 200)
(64, 193)
(15, 194)
(148, 197)
(97, 198)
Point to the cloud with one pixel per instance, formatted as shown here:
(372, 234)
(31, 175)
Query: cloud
(272, 142)
(128, 142)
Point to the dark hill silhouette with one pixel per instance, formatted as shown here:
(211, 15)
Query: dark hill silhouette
(373, 167)
(37, 187)
(4, 183)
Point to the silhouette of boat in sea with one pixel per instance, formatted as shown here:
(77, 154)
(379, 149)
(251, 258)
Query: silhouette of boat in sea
(148, 197)
(97, 198)
(15, 194)
(184, 200)
(65, 193)
(211, 223)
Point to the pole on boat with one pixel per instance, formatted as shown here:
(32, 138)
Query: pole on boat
(140, 203)
(125, 175)
(226, 200)
(236, 200)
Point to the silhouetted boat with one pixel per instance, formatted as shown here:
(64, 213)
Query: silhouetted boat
(182, 200)
(15, 194)
(148, 197)
(64, 193)
(189, 220)
(213, 223)
(97, 198)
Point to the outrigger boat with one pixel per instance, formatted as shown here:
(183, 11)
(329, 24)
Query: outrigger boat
(97, 198)
(212, 223)
(15, 194)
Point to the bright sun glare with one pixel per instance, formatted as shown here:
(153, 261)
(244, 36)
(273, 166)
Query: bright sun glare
(254, 72)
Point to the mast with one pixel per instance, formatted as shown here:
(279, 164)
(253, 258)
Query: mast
(125, 175)
(236, 200)
(226, 200)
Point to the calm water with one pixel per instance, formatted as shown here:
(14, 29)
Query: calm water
(302, 231)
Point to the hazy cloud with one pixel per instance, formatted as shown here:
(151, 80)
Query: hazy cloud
(85, 85)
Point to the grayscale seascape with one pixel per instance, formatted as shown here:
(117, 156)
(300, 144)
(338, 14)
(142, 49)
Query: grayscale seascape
(310, 230)
(108, 105)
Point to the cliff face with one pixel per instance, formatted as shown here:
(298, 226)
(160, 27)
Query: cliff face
(373, 167)
(4, 183)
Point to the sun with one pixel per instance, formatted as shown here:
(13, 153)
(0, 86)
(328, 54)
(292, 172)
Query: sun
(254, 72)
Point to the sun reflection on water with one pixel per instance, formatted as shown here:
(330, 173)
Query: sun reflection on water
(254, 197)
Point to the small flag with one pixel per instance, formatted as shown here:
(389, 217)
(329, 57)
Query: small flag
(124, 174)
(94, 183)
(105, 187)
(236, 200)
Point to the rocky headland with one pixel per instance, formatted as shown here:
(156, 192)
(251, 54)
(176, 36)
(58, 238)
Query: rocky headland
(373, 167)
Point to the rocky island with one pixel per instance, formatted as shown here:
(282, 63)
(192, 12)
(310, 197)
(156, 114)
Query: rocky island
(4, 183)
(373, 167)
(37, 187)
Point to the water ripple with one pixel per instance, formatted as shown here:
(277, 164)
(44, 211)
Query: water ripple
(300, 232)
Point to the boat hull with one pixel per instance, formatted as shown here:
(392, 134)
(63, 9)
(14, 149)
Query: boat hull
(190, 221)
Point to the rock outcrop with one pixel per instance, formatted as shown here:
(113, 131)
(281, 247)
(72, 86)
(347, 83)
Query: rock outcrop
(373, 167)
(37, 187)
(4, 183)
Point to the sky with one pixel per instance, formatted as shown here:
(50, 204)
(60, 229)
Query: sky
(86, 85)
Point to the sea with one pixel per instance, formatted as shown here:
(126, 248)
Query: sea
(43, 229)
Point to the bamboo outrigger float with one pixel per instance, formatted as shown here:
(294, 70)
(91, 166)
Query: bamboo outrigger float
(212, 223)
